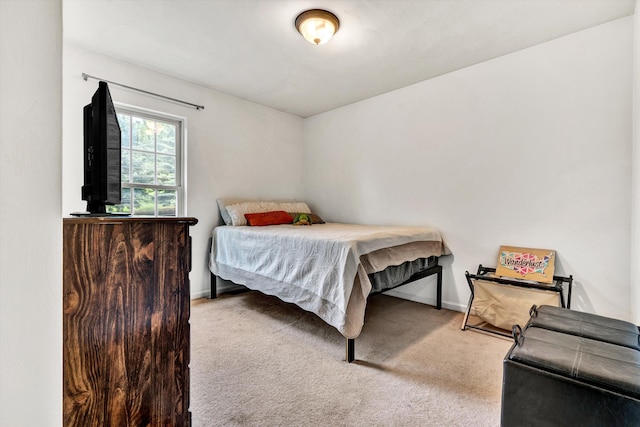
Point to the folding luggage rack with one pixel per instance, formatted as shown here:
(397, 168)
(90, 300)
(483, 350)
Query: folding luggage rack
(488, 274)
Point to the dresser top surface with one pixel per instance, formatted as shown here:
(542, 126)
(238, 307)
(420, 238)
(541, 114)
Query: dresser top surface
(115, 219)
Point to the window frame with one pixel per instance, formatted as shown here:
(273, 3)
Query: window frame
(180, 187)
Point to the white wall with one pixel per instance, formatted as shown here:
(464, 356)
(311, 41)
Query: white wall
(635, 196)
(530, 149)
(30, 207)
(234, 147)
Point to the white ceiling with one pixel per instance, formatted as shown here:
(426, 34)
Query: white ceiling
(251, 49)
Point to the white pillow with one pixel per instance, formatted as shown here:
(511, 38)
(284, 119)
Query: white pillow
(222, 207)
(236, 211)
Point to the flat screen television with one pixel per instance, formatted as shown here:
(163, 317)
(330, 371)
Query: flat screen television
(101, 153)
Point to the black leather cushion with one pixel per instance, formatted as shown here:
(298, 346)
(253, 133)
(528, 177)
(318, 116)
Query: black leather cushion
(587, 325)
(597, 363)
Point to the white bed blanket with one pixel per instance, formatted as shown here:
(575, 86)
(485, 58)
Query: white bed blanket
(319, 267)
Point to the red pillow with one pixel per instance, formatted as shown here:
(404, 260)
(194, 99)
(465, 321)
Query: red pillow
(268, 218)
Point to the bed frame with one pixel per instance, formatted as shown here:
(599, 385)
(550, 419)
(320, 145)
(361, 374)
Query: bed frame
(351, 342)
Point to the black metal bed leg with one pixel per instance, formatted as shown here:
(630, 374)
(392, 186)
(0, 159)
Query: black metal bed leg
(214, 288)
(351, 350)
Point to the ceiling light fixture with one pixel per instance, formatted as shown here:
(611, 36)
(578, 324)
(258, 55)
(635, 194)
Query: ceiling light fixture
(317, 25)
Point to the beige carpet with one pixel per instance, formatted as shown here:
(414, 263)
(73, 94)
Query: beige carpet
(256, 361)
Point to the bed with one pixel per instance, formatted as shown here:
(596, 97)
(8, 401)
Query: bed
(326, 268)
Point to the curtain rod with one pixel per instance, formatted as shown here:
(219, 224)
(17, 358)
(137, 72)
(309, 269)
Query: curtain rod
(86, 76)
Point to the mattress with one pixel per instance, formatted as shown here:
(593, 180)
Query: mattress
(322, 268)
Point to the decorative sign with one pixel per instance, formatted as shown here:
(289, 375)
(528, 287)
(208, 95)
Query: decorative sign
(526, 263)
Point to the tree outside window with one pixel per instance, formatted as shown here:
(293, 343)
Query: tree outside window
(151, 164)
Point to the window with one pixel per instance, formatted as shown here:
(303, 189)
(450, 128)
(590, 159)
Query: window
(151, 164)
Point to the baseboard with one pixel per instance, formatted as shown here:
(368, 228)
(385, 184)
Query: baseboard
(221, 287)
(425, 300)
(227, 287)
(200, 294)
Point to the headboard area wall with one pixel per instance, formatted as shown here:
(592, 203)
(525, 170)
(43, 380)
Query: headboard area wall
(529, 149)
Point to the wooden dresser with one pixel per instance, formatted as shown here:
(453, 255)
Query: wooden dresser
(126, 321)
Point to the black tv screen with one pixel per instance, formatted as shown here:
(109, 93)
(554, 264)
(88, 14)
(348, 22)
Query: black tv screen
(101, 152)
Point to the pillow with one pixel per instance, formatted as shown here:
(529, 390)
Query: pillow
(268, 218)
(236, 211)
(222, 206)
(302, 219)
(315, 219)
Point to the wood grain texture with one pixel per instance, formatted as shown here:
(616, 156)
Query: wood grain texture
(126, 322)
